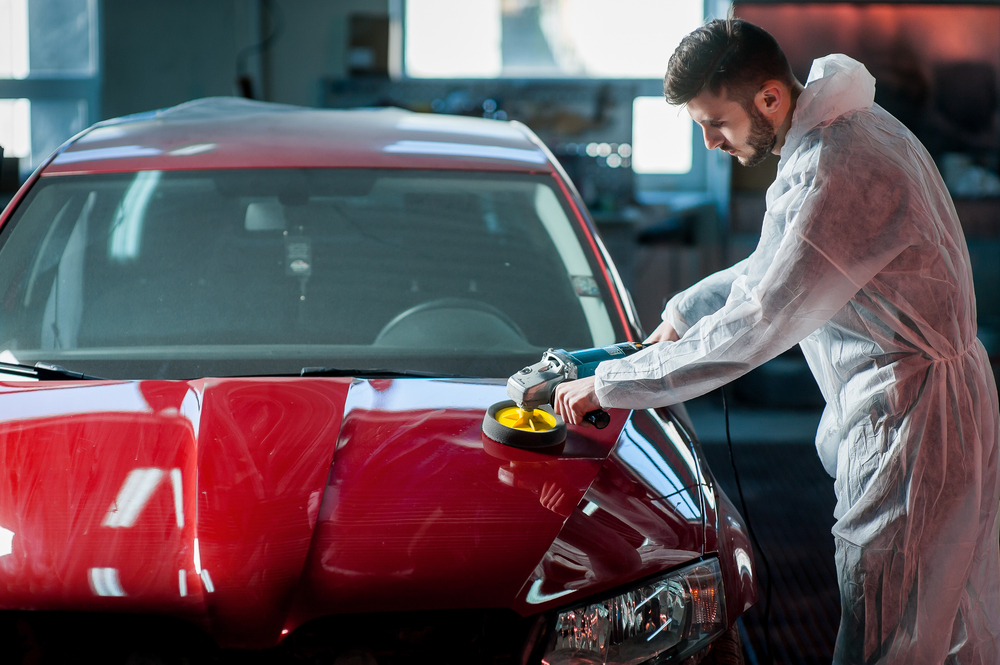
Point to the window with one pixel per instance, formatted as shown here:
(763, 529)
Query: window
(661, 137)
(49, 76)
(582, 43)
(543, 38)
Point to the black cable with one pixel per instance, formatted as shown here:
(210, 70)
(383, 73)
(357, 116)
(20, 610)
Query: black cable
(753, 537)
(243, 80)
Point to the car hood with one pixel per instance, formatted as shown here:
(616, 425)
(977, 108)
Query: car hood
(252, 505)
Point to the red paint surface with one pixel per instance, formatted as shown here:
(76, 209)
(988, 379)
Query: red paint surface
(421, 513)
(417, 512)
(63, 477)
(627, 526)
(265, 453)
(248, 454)
(273, 137)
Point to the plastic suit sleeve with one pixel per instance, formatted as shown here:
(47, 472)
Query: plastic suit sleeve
(706, 297)
(844, 218)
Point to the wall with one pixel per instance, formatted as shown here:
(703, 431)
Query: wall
(158, 53)
(313, 46)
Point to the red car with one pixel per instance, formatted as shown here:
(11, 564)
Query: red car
(246, 353)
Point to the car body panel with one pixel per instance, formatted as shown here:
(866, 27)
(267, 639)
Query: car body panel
(644, 513)
(184, 498)
(98, 491)
(418, 511)
(215, 500)
(423, 512)
(264, 454)
(725, 532)
(184, 137)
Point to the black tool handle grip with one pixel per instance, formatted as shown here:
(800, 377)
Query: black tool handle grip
(599, 418)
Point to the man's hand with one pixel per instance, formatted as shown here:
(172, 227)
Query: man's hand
(575, 399)
(663, 333)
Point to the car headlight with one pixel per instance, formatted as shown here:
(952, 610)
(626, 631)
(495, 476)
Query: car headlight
(680, 612)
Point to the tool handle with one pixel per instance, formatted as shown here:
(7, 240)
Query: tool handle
(599, 418)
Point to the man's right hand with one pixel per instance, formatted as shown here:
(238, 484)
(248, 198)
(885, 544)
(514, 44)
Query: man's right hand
(663, 333)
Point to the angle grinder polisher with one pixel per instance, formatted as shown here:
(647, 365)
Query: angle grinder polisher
(527, 419)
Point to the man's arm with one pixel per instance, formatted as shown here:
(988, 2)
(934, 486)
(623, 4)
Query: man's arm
(574, 399)
(844, 224)
(700, 300)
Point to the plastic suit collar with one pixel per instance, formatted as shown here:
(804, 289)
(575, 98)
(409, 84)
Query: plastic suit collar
(837, 84)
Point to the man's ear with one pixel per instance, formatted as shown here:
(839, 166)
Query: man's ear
(770, 97)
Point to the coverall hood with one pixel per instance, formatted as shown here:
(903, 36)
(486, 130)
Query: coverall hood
(837, 84)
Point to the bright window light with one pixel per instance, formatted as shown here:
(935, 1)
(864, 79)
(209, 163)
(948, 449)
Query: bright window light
(15, 127)
(661, 137)
(13, 39)
(626, 38)
(545, 38)
(52, 44)
(62, 37)
(453, 38)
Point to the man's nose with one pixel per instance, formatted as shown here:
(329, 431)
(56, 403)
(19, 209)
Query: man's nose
(713, 138)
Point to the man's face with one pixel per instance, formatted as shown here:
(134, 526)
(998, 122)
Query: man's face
(727, 125)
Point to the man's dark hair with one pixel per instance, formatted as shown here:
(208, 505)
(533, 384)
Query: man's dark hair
(731, 55)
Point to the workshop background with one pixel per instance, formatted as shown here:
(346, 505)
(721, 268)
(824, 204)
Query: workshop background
(585, 76)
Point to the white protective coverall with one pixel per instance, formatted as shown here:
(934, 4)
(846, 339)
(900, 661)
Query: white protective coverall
(862, 261)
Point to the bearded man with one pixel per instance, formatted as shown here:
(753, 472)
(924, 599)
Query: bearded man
(863, 263)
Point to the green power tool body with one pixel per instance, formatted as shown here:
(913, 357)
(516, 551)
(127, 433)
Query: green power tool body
(527, 419)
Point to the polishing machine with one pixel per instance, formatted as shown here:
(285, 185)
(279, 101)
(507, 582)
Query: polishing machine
(527, 419)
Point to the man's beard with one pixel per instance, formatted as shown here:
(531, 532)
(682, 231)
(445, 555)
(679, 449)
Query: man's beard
(761, 139)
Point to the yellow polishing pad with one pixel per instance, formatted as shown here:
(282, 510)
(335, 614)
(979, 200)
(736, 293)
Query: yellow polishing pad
(535, 420)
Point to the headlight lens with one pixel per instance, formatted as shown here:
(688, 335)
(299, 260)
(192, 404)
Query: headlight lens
(681, 611)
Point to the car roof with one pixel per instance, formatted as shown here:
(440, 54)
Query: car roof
(230, 132)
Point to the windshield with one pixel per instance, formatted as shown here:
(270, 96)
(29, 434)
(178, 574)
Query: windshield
(239, 272)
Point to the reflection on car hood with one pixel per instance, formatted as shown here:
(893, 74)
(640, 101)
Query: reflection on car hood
(251, 505)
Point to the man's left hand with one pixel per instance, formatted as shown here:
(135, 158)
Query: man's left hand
(575, 399)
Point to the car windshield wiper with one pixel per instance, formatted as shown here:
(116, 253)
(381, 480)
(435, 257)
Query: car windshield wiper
(379, 373)
(45, 372)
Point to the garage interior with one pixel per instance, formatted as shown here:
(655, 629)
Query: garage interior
(667, 220)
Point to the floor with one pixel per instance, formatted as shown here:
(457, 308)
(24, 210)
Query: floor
(789, 500)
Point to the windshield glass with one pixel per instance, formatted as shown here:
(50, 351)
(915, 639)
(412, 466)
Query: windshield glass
(239, 272)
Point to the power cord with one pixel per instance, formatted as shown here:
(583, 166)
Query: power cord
(753, 537)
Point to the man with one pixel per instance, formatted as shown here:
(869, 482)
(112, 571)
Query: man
(863, 263)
